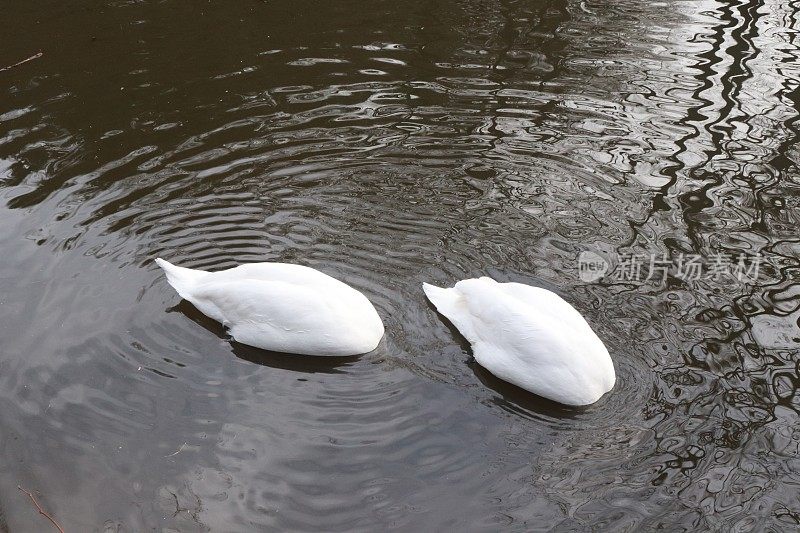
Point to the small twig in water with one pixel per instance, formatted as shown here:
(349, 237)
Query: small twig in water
(34, 56)
(179, 450)
(41, 511)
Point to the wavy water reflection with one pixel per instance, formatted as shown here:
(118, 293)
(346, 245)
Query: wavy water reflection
(389, 144)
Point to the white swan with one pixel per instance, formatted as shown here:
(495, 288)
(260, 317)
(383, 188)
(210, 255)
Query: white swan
(282, 307)
(530, 337)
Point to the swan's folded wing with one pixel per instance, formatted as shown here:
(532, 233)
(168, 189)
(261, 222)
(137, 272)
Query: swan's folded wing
(506, 320)
(525, 336)
(278, 316)
(547, 302)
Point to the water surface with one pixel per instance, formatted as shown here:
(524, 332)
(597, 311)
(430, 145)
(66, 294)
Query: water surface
(390, 143)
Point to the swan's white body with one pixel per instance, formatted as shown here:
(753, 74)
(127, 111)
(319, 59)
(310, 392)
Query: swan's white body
(282, 307)
(530, 337)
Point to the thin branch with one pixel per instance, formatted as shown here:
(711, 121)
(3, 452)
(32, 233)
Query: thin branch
(179, 451)
(34, 56)
(41, 511)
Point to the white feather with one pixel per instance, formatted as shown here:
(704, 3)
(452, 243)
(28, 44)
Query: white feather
(530, 337)
(282, 307)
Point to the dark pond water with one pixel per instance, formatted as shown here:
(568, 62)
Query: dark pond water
(390, 143)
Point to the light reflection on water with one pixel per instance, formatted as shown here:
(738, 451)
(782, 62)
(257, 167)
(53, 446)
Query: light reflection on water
(389, 144)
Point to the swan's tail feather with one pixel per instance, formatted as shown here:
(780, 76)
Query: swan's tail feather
(182, 279)
(439, 297)
(451, 303)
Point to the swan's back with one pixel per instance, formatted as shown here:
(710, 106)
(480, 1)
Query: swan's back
(282, 307)
(530, 337)
(284, 272)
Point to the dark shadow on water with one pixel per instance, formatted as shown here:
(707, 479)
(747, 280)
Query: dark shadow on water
(285, 361)
(288, 361)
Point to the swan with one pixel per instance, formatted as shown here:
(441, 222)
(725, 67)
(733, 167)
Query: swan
(528, 336)
(282, 307)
